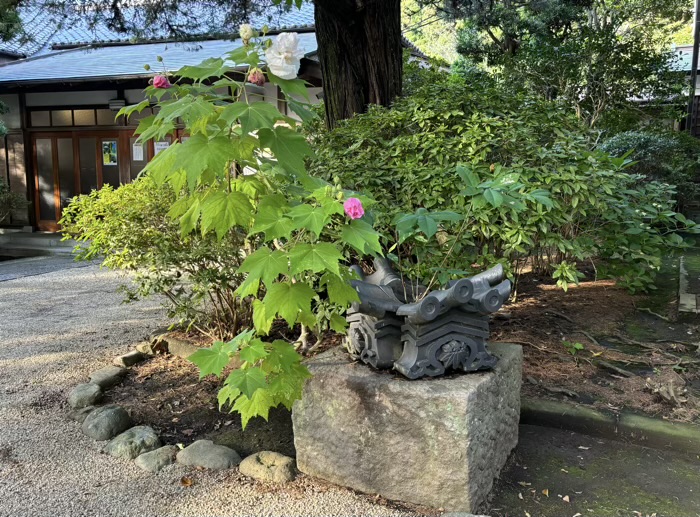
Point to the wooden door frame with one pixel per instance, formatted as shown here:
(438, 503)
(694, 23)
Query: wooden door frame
(120, 135)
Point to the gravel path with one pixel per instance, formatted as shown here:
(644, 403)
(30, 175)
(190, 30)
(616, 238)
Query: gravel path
(55, 328)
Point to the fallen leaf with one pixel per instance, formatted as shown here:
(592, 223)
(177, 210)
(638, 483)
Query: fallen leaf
(583, 448)
(186, 482)
(565, 498)
(527, 515)
(564, 471)
(520, 496)
(523, 483)
(577, 515)
(545, 492)
(188, 432)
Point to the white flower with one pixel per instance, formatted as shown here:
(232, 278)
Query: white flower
(246, 31)
(284, 55)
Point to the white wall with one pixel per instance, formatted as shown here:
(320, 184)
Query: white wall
(70, 98)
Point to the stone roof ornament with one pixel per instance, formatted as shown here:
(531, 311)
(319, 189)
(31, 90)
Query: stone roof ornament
(398, 324)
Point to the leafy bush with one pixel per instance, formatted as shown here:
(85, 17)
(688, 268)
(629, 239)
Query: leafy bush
(497, 176)
(662, 156)
(130, 228)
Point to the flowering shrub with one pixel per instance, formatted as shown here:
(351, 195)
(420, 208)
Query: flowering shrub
(298, 241)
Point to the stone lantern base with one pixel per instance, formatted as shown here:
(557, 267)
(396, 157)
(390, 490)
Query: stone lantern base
(437, 442)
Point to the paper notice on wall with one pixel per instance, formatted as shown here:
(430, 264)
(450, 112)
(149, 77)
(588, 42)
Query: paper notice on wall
(160, 146)
(137, 152)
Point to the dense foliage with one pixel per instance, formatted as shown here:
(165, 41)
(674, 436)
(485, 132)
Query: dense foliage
(197, 273)
(496, 175)
(601, 57)
(9, 201)
(671, 157)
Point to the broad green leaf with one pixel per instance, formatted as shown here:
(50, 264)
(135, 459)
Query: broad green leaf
(188, 221)
(127, 111)
(289, 86)
(361, 236)
(254, 352)
(282, 357)
(189, 108)
(200, 153)
(252, 116)
(322, 256)
(288, 146)
(302, 110)
(427, 225)
(339, 290)
(313, 218)
(258, 405)
(247, 380)
(338, 323)
(262, 317)
(212, 67)
(227, 395)
(289, 300)
(272, 223)
(266, 265)
(221, 211)
(211, 360)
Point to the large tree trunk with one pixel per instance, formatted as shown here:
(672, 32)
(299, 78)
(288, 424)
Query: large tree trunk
(359, 48)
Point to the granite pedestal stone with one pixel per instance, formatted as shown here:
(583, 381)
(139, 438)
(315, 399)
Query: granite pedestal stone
(438, 442)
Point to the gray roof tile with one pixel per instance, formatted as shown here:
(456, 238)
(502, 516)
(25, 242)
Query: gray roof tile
(120, 61)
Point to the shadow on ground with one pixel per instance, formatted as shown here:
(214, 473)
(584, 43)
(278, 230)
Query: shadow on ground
(599, 478)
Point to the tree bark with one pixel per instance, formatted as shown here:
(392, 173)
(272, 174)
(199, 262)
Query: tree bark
(359, 48)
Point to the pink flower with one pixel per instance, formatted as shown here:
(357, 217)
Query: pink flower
(353, 208)
(160, 81)
(256, 77)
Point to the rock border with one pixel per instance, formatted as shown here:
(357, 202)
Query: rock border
(146, 450)
(626, 427)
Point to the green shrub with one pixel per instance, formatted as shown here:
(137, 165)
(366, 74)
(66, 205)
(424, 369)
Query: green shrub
(662, 156)
(512, 179)
(129, 228)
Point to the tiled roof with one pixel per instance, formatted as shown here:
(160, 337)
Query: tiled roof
(120, 61)
(43, 32)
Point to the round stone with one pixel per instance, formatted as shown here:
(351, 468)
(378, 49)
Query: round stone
(133, 442)
(269, 466)
(106, 422)
(84, 395)
(156, 460)
(205, 453)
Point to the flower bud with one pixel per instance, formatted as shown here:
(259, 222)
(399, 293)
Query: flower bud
(159, 59)
(160, 81)
(146, 67)
(246, 32)
(256, 76)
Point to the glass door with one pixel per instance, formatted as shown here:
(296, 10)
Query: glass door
(76, 162)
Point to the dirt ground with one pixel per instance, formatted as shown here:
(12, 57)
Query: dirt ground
(597, 344)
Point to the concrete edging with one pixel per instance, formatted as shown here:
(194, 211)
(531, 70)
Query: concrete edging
(626, 427)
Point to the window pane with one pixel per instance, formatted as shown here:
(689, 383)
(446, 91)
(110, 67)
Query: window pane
(106, 118)
(40, 119)
(84, 117)
(66, 179)
(88, 165)
(62, 118)
(44, 162)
